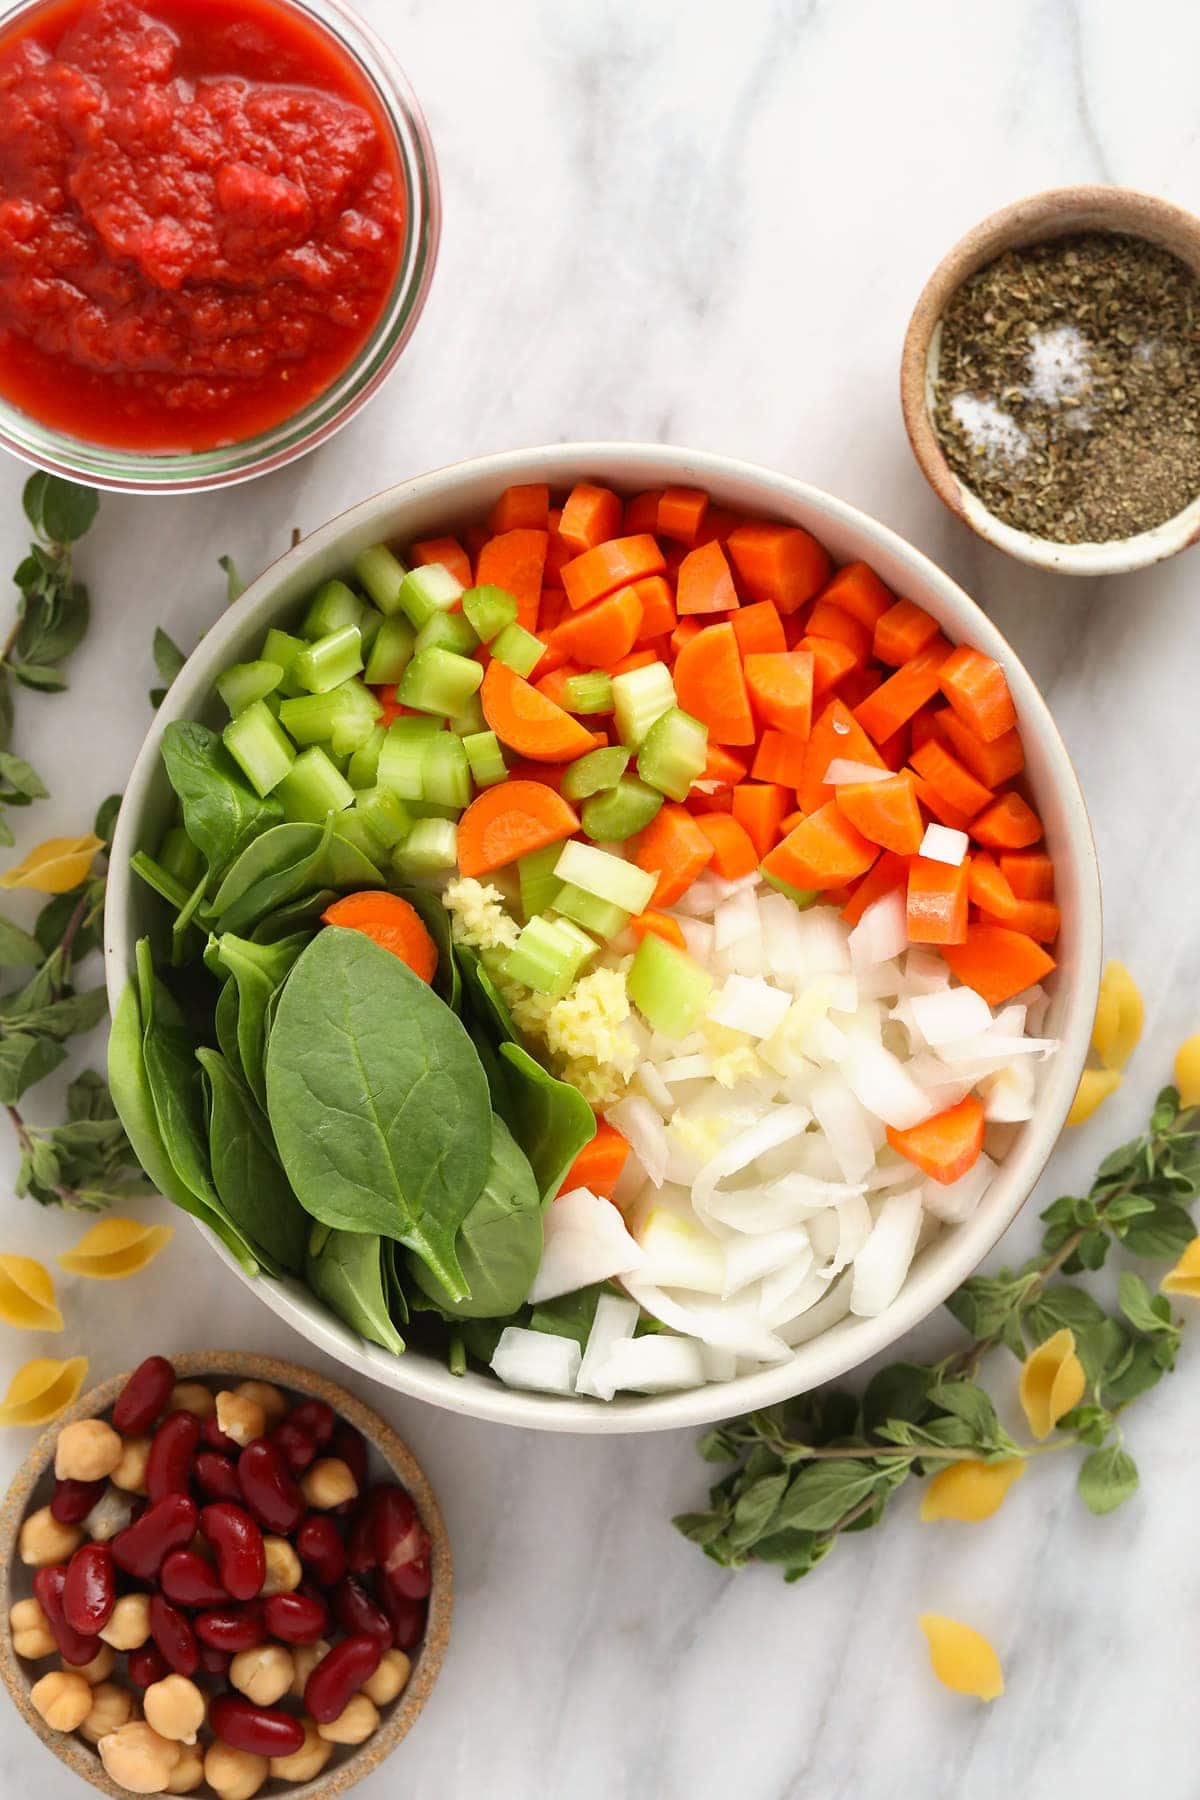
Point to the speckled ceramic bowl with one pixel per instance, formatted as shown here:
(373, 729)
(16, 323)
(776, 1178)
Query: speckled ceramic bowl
(389, 1454)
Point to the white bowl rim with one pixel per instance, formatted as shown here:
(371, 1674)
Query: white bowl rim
(854, 1341)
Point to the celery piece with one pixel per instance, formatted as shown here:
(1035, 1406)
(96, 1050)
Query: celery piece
(804, 897)
(179, 857)
(598, 916)
(430, 848)
(369, 627)
(171, 889)
(438, 681)
(402, 756)
(353, 829)
(447, 631)
(391, 652)
(314, 718)
(673, 753)
(470, 721)
(333, 605)
(429, 809)
(260, 747)
(639, 697)
(386, 818)
(593, 772)
(446, 773)
(426, 591)
(588, 693)
(620, 812)
(281, 648)
(313, 787)
(669, 988)
(242, 684)
(518, 650)
(489, 609)
(548, 955)
(607, 876)
(331, 660)
(539, 883)
(363, 769)
(383, 575)
(350, 732)
(485, 757)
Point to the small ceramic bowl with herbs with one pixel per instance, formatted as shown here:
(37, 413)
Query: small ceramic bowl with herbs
(1050, 380)
(222, 1574)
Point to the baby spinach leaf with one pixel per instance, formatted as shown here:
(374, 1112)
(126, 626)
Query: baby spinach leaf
(499, 1243)
(170, 1058)
(252, 1186)
(225, 1022)
(303, 914)
(436, 920)
(258, 970)
(554, 1121)
(378, 1100)
(497, 1079)
(570, 1315)
(486, 1000)
(392, 1280)
(283, 863)
(345, 1270)
(222, 814)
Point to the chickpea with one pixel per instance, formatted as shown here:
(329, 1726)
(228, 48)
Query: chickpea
(389, 1679)
(112, 1707)
(138, 1759)
(193, 1397)
(354, 1724)
(100, 1667)
(175, 1708)
(269, 1397)
(263, 1674)
(111, 1513)
(284, 1573)
(43, 1541)
(88, 1450)
(63, 1698)
(328, 1483)
(241, 1419)
(130, 1473)
(32, 1637)
(234, 1774)
(188, 1772)
(129, 1624)
(306, 1762)
(305, 1658)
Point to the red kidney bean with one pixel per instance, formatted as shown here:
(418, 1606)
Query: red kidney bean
(319, 1547)
(268, 1488)
(296, 1618)
(215, 1662)
(315, 1418)
(400, 1538)
(189, 1579)
(169, 1464)
(232, 1628)
(260, 1730)
(339, 1675)
(412, 1579)
(351, 1447)
(74, 1500)
(296, 1446)
(360, 1545)
(217, 1476)
(144, 1398)
(90, 1590)
(237, 1541)
(356, 1612)
(216, 1439)
(173, 1635)
(407, 1617)
(146, 1666)
(74, 1647)
(140, 1549)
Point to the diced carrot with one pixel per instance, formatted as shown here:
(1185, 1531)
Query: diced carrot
(942, 811)
(946, 1146)
(722, 765)
(781, 563)
(510, 820)
(761, 807)
(720, 801)
(824, 851)
(901, 632)
(445, 550)
(637, 659)
(475, 537)
(528, 721)
(681, 513)
(590, 515)
(549, 774)
(551, 658)
(705, 584)
(894, 750)
(1010, 823)
(515, 561)
(924, 724)
(598, 1165)
(557, 554)
(658, 607)
(553, 682)
(937, 901)
(993, 763)
(888, 874)
(1029, 873)
(391, 923)
(829, 621)
(641, 513)
(998, 962)
(598, 636)
(1038, 919)
(858, 686)
(991, 892)
(710, 685)
(780, 758)
(947, 776)
(658, 924)
(903, 693)
(857, 589)
(684, 632)
(673, 555)
(885, 811)
(792, 820)
(976, 688)
(719, 525)
(674, 848)
(524, 507)
(780, 685)
(734, 854)
(836, 735)
(611, 565)
(832, 662)
(392, 708)
(758, 629)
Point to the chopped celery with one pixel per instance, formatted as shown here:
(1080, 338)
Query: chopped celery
(331, 660)
(639, 697)
(489, 609)
(313, 787)
(333, 605)
(161, 880)
(244, 683)
(314, 718)
(598, 916)
(438, 681)
(363, 770)
(426, 591)
(619, 812)
(386, 818)
(539, 883)
(390, 653)
(281, 648)
(669, 988)
(350, 732)
(593, 772)
(430, 809)
(673, 753)
(589, 693)
(447, 631)
(548, 955)
(485, 757)
(352, 828)
(804, 897)
(470, 720)
(607, 876)
(383, 575)
(260, 747)
(179, 857)
(430, 847)
(369, 627)
(402, 756)
(446, 773)
(518, 649)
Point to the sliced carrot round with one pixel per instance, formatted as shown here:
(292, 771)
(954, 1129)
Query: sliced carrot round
(510, 820)
(390, 922)
(528, 721)
(710, 685)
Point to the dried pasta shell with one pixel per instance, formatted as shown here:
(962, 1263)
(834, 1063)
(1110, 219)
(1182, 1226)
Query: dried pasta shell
(1184, 1278)
(27, 1295)
(42, 1389)
(1095, 1085)
(1052, 1382)
(1119, 1016)
(962, 1659)
(970, 1490)
(56, 866)
(114, 1248)
(1187, 1070)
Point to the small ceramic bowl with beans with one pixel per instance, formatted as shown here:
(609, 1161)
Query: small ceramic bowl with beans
(222, 1575)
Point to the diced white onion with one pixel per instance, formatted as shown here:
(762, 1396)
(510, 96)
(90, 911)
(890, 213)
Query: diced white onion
(677, 1252)
(735, 918)
(698, 937)
(1008, 1094)
(636, 1120)
(944, 845)
(954, 1201)
(745, 1004)
(536, 1360)
(949, 1013)
(686, 1068)
(924, 971)
(842, 770)
(883, 1261)
(776, 1127)
(824, 1311)
(881, 1084)
(654, 1364)
(882, 933)
(586, 1241)
(615, 1318)
(749, 1258)
(654, 1086)
(844, 1123)
(724, 1324)
(719, 1365)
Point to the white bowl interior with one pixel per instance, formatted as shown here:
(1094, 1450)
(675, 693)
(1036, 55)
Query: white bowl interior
(465, 491)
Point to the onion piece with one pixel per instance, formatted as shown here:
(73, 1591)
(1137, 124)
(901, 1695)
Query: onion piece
(744, 1003)
(677, 1252)
(698, 936)
(925, 971)
(615, 1318)
(722, 1324)
(882, 933)
(750, 1257)
(943, 844)
(782, 935)
(653, 1084)
(654, 1364)
(637, 1121)
(841, 769)
(1008, 1094)
(686, 1068)
(844, 1123)
(954, 1201)
(586, 1241)
(537, 1360)
(778, 1126)
(824, 1311)
(883, 1261)
(719, 1365)
(881, 1085)
(792, 1200)
(949, 1013)
(736, 918)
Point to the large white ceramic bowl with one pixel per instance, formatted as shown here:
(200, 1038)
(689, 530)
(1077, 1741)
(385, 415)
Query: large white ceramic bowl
(432, 503)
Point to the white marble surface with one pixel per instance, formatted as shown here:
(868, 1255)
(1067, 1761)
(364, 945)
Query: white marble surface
(707, 225)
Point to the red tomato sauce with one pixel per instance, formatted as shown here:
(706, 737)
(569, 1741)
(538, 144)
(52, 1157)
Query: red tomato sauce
(201, 218)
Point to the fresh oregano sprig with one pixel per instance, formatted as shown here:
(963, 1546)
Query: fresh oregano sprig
(811, 1469)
